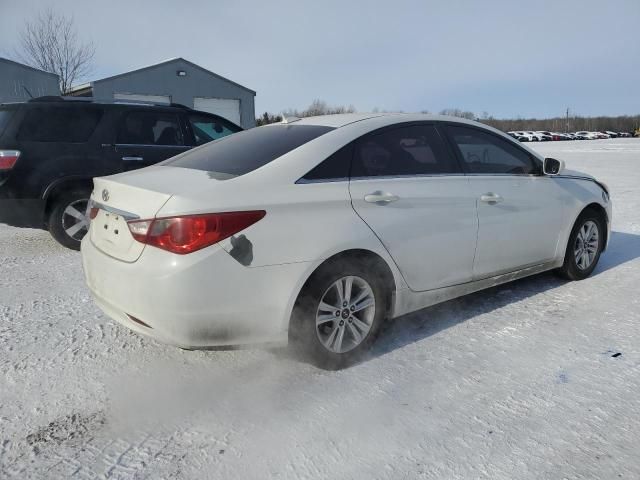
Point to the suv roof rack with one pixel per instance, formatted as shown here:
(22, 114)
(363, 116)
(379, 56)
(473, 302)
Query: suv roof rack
(59, 98)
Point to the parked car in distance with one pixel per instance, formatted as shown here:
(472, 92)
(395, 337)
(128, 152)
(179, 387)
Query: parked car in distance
(317, 231)
(611, 134)
(545, 136)
(521, 136)
(624, 134)
(584, 135)
(52, 147)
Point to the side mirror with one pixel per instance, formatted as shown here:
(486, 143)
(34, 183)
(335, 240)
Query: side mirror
(552, 166)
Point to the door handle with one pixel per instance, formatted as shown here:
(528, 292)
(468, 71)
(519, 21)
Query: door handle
(132, 159)
(491, 198)
(381, 198)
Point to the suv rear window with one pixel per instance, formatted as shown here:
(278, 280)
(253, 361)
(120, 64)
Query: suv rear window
(59, 124)
(246, 151)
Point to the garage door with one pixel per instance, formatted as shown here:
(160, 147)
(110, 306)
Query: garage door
(228, 108)
(134, 97)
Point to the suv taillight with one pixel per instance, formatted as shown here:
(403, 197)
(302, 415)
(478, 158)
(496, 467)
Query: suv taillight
(193, 232)
(8, 159)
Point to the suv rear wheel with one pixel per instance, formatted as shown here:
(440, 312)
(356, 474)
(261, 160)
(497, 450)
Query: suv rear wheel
(68, 221)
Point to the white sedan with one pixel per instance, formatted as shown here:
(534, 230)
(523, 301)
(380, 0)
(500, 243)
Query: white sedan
(316, 231)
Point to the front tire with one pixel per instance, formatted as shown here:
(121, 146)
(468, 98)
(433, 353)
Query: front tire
(339, 313)
(68, 222)
(584, 247)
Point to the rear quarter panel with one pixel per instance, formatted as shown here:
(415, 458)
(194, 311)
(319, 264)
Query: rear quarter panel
(304, 223)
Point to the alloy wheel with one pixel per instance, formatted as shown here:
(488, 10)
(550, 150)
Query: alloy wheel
(586, 245)
(345, 314)
(75, 222)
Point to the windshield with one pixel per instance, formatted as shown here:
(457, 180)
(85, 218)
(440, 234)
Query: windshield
(246, 151)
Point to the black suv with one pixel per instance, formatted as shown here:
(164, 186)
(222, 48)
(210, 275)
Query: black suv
(52, 147)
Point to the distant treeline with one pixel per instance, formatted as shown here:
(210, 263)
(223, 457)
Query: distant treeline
(574, 123)
(625, 123)
(317, 107)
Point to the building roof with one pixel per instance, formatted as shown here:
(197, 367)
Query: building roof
(148, 67)
(6, 60)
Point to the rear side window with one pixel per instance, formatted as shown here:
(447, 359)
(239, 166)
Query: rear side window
(59, 124)
(206, 129)
(5, 118)
(486, 153)
(336, 167)
(403, 151)
(246, 151)
(150, 128)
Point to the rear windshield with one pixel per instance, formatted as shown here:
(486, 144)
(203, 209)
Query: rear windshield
(246, 151)
(59, 124)
(5, 115)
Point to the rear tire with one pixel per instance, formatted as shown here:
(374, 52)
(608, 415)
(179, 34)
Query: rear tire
(339, 313)
(68, 222)
(584, 247)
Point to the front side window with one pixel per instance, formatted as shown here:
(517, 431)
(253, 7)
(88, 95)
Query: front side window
(484, 153)
(206, 129)
(150, 128)
(411, 150)
(59, 124)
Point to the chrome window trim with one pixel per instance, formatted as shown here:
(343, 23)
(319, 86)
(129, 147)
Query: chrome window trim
(400, 177)
(147, 145)
(505, 175)
(304, 181)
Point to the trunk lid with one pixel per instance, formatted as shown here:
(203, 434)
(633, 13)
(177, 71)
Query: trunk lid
(134, 195)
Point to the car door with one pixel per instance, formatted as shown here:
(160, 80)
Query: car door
(148, 136)
(520, 211)
(410, 190)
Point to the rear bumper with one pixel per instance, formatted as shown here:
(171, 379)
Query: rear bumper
(22, 212)
(204, 299)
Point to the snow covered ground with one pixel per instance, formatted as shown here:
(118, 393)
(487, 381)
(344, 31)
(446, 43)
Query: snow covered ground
(522, 381)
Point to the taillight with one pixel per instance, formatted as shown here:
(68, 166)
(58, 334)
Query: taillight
(8, 159)
(193, 232)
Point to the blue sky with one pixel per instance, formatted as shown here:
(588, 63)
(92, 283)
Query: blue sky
(508, 58)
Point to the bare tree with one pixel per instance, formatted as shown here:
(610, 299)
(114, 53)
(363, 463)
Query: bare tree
(51, 43)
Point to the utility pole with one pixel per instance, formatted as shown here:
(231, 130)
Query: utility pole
(567, 120)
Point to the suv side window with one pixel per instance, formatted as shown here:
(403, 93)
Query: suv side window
(409, 150)
(485, 153)
(59, 124)
(206, 129)
(150, 128)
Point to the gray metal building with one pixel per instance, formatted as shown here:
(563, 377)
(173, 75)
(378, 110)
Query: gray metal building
(19, 82)
(177, 81)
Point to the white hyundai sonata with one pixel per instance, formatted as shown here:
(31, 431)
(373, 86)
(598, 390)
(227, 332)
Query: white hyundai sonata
(316, 231)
